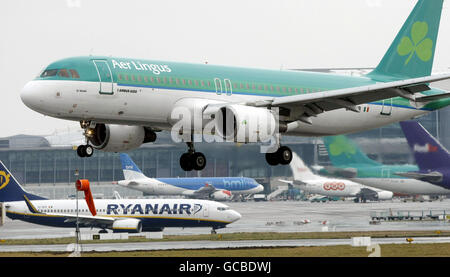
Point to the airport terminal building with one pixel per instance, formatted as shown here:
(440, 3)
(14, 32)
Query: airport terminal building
(40, 162)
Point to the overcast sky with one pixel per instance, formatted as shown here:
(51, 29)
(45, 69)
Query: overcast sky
(252, 33)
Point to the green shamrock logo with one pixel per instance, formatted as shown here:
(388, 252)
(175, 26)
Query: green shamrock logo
(341, 146)
(420, 45)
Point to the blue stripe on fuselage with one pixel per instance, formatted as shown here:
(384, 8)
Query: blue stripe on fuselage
(148, 222)
(226, 183)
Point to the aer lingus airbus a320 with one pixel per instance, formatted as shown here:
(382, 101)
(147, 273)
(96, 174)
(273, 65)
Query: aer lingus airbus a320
(122, 102)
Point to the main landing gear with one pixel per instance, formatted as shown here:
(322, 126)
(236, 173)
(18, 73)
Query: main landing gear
(86, 150)
(282, 156)
(192, 160)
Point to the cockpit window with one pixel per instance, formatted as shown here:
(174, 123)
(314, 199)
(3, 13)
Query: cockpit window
(49, 72)
(63, 73)
(74, 74)
(60, 73)
(223, 208)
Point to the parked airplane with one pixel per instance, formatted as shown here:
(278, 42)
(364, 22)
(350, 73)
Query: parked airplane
(119, 215)
(309, 182)
(219, 188)
(432, 158)
(122, 102)
(350, 162)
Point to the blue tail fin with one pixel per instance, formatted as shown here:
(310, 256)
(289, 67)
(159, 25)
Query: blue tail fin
(10, 189)
(428, 152)
(130, 170)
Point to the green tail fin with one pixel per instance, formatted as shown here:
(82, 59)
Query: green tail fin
(343, 152)
(412, 52)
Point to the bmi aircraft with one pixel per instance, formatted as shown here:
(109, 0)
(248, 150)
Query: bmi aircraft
(217, 188)
(119, 215)
(122, 103)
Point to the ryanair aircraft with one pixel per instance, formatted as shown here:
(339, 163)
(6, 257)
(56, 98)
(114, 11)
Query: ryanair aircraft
(119, 215)
(122, 103)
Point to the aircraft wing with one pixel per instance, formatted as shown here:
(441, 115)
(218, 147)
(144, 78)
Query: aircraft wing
(319, 102)
(88, 220)
(294, 182)
(128, 183)
(433, 177)
(206, 189)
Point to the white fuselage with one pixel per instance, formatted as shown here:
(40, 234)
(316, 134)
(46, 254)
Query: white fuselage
(147, 210)
(331, 187)
(78, 100)
(403, 186)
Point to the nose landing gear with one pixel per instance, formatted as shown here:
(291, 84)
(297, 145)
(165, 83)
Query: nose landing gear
(86, 150)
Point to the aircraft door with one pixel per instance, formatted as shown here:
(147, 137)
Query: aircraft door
(218, 85)
(385, 173)
(386, 108)
(104, 76)
(228, 88)
(206, 211)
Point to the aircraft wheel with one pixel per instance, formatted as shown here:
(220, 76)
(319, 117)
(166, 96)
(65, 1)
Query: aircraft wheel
(284, 155)
(81, 151)
(186, 162)
(272, 158)
(198, 160)
(89, 150)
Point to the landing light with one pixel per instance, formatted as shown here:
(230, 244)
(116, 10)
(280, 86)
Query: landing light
(89, 133)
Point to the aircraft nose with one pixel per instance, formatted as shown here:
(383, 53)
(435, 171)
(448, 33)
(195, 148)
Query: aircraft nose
(29, 95)
(234, 216)
(260, 188)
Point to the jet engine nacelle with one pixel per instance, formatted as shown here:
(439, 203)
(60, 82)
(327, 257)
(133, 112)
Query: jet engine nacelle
(385, 195)
(221, 195)
(119, 138)
(241, 123)
(128, 225)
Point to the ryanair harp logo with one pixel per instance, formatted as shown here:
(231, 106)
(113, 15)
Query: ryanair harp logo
(4, 179)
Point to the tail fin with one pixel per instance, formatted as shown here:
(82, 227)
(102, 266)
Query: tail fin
(299, 170)
(411, 54)
(130, 169)
(10, 189)
(343, 152)
(428, 152)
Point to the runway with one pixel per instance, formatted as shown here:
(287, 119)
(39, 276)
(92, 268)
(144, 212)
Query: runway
(204, 244)
(277, 216)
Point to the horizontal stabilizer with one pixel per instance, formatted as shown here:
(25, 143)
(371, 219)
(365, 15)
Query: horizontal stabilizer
(342, 172)
(432, 97)
(432, 177)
